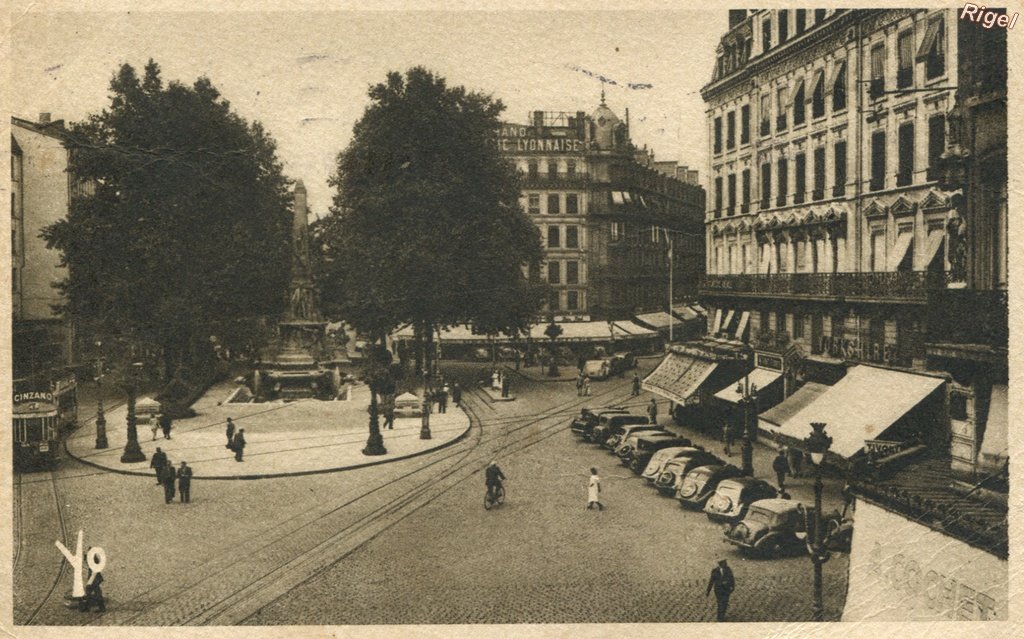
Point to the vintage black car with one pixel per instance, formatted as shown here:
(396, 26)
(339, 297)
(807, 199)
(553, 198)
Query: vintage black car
(639, 450)
(612, 423)
(624, 432)
(676, 469)
(589, 417)
(661, 457)
(733, 496)
(701, 482)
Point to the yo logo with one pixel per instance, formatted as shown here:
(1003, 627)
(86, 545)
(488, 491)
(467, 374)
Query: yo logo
(96, 557)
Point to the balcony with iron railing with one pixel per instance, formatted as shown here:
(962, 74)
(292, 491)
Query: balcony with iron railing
(902, 286)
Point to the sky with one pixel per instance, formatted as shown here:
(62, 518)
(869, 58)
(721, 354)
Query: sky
(305, 75)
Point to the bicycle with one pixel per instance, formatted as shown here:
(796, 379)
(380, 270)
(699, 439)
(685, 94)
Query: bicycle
(495, 499)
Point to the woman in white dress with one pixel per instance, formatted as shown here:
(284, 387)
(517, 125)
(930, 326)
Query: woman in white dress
(594, 491)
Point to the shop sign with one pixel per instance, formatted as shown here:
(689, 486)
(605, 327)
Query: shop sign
(880, 448)
(859, 350)
(901, 570)
(33, 396)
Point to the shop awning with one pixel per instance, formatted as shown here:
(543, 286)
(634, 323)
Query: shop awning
(861, 406)
(626, 329)
(686, 313)
(899, 250)
(718, 321)
(727, 322)
(760, 377)
(657, 320)
(678, 376)
(995, 445)
(779, 414)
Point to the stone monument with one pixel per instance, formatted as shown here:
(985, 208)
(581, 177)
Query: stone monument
(295, 371)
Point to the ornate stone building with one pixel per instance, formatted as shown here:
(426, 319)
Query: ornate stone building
(605, 214)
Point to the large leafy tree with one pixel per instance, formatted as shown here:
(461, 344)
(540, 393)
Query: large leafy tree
(426, 226)
(182, 222)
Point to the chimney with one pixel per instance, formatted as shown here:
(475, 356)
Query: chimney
(44, 118)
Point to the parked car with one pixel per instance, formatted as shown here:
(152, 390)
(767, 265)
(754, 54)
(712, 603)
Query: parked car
(637, 454)
(597, 369)
(773, 527)
(622, 362)
(609, 424)
(733, 496)
(676, 469)
(701, 482)
(589, 417)
(657, 462)
(625, 432)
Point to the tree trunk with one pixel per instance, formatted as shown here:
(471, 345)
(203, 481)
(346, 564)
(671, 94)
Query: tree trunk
(417, 332)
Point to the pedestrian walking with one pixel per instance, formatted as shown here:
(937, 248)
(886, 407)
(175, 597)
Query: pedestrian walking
(238, 444)
(795, 458)
(165, 425)
(652, 411)
(636, 385)
(230, 432)
(442, 400)
(723, 583)
(506, 385)
(594, 491)
(727, 438)
(781, 468)
(388, 409)
(457, 395)
(586, 385)
(185, 482)
(158, 461)
(167, 477)
(579, 384)
(154, 425)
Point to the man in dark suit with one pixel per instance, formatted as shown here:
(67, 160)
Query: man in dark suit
(238, 444)
(723, 583)
(230, 432)
(167, 478)
(185, 482)
(158, 461)
(165, 425)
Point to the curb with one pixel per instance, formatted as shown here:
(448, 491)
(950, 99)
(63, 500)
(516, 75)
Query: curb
(301, 473)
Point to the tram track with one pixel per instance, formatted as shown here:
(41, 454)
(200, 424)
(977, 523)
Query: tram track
(236, 604)
(62, 571)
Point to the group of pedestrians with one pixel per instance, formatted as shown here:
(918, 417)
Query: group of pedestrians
(167, 474)
(161, 422)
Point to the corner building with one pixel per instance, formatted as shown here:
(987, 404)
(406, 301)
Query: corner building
(607, 214)
(857, 222)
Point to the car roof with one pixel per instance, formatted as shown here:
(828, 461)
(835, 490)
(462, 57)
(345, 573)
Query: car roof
(708, 468)
(661, 435)
(776, 505)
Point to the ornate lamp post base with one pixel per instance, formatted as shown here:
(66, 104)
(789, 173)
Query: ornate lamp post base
(375, 445)
(132, 453)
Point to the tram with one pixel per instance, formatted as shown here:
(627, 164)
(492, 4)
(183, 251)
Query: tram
(41, 417)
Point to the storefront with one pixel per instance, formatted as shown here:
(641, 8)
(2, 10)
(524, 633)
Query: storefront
(869, 406)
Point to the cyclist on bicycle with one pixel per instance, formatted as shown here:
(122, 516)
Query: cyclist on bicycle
(493, 477)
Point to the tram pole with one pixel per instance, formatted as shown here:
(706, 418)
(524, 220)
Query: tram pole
(132, 451)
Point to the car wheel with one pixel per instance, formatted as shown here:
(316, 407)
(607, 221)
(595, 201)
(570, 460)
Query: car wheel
(771, 549)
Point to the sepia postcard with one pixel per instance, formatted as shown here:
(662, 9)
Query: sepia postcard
(490, 319)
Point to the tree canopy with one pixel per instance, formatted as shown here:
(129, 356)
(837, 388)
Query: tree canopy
(180, 222)
(426, 225)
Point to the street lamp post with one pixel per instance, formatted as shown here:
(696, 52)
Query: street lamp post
(817, 444)
(132, 451)
(425, 427)
(101, 420)
(748, 401)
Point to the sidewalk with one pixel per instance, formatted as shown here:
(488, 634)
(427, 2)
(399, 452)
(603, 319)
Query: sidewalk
(301, 437)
